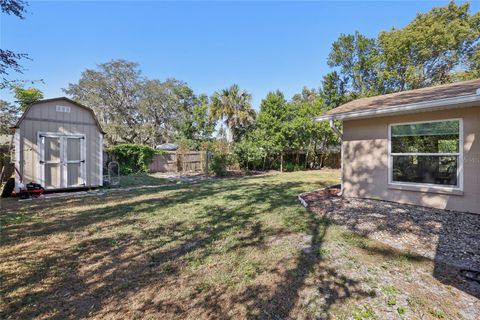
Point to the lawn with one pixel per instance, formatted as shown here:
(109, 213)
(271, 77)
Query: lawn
(217, 249)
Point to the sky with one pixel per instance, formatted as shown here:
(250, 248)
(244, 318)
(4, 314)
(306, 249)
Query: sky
(261, 46)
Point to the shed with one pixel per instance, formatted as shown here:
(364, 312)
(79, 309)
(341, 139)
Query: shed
(418, 147)
(59, 144)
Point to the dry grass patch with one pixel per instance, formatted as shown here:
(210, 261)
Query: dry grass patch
(233, 248)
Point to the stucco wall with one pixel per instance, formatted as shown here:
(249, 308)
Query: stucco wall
(365, 161)
(43, 117)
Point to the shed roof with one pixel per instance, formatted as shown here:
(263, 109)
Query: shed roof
(441, 95)
(60, 99)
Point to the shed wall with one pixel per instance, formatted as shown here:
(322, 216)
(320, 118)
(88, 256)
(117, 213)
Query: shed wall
(365, 161)
(43, 117)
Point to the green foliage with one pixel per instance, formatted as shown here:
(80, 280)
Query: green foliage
(133, 158)
(26, 97)
(291, 167)
(439, 314)
(248, 153)
(287, 127)
(431, 48)
(436, 47)
(233, 106)
(8, 116)
(197, 125)
(357, 58)
(220, 158)
(133, 109)
(366, 312)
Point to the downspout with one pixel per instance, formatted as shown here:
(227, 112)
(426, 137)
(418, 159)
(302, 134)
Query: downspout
(340, 136)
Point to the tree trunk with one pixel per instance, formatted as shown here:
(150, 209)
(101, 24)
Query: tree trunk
(281, 162)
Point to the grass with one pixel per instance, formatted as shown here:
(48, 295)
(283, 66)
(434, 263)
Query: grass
(141, 179)
(231, 248)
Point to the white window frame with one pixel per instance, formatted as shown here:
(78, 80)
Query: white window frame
(429, 185)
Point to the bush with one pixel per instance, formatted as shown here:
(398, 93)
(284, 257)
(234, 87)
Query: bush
(290, 167)
(219, 164)
(249, 154)
(133, 158)
(221, 159)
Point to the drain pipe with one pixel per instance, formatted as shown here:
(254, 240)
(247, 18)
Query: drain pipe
(340, 136)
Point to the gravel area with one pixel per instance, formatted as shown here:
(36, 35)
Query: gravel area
(451, 239)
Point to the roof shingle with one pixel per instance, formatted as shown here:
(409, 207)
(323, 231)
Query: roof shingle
(451, 90)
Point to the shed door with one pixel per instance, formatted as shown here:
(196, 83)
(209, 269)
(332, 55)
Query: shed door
(62, 160)
(74, 164)
(52, 162)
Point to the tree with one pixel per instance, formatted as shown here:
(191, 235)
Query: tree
(271, 119)
(9, 60)
(8, 116)
(233, 106)
(431, 49)
(287, 128)
(133, 109)
(436, 47)
(198, 126)
(334, 90)
(25, 97)
(357, 58)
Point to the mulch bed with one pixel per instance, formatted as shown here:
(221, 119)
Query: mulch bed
(451, 239)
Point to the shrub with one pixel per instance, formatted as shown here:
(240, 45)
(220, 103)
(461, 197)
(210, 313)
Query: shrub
(248, 154)
(133, 158)
(289, 167)
(219, 164)
(220, 159)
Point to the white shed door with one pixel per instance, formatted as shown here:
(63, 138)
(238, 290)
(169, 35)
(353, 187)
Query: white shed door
(52, 162)
(62, 160)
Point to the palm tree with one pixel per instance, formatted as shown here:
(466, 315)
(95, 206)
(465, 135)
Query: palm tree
(233, 106)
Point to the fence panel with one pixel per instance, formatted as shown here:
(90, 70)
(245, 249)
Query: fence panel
(190, 161)
(164, 163)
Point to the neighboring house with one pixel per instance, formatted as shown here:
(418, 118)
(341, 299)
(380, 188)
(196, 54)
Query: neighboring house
(418, 147)
(59, 144)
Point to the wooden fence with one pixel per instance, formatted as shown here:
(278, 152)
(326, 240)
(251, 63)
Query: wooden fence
(190, 161)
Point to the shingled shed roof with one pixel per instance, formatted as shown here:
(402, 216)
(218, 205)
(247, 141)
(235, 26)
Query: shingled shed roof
(412, 100)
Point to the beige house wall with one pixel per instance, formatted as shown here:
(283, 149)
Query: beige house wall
(365, 161)
(43, 117)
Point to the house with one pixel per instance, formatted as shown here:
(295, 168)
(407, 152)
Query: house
(417, 147)
(59, 144)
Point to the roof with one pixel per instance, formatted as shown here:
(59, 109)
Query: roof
(60, 99)
(453, 94)
(167, 147)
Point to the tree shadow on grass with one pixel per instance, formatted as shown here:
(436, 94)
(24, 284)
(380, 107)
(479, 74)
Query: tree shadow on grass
(89, 276)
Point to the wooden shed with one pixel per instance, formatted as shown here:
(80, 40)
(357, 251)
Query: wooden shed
(59, 144)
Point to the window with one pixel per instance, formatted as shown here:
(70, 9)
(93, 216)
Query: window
(62, 109)
(426, 153)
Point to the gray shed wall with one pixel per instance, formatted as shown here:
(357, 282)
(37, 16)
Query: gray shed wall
(43, 117)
